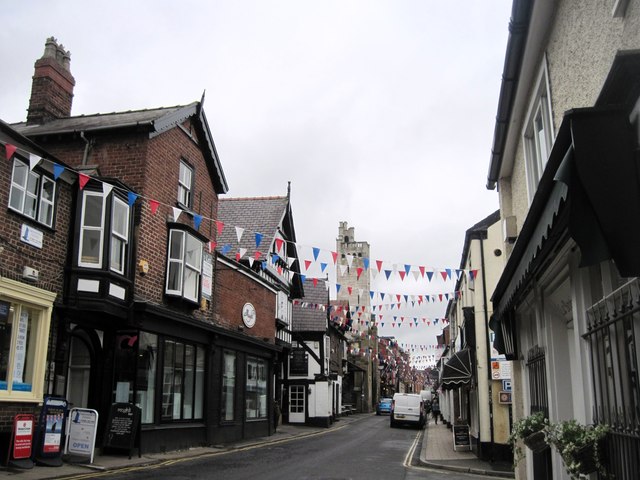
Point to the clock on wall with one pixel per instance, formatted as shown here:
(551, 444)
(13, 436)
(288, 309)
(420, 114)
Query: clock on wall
(249, 315)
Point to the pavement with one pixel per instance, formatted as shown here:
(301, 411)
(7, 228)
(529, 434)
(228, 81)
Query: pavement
(436, 452)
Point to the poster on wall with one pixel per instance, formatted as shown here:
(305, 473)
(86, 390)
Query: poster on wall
(50, 429)
(207, 275)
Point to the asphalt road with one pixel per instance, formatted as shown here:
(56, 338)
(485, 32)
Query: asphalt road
(365, 449)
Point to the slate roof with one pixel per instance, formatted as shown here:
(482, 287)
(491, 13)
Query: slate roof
(258, 214)
(306, 316)
(154, 121)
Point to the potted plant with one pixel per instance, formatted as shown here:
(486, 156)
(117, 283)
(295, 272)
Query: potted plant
(580, 446)
(531, 430)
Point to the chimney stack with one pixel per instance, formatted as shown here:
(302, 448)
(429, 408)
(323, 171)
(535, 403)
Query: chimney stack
(52, 87)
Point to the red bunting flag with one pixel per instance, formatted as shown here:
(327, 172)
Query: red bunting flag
(10, 150)
(444, 275)
(402, 274)
(335, 257)
(421, 271)
(307, 264)
(212, 245)
(219, 226)
(315, 282)
(82, 179)
(279, 243)
(349, 289)
(257, 255)
(379, 265)
(359, 272)
(154, 204)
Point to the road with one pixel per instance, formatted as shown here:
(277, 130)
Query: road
(364, 449)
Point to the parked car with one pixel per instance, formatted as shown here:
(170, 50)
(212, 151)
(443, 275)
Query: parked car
(384, 406)
(407, 408)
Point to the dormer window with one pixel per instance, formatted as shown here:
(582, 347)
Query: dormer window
(185, 185)
(32, 194)
(100, 217)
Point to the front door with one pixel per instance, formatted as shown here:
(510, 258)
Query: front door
(79, 373)
(297, 397)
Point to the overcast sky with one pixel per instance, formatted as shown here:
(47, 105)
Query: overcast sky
(380, 113)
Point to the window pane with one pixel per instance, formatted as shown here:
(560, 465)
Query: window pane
(20, 174)
(31, 198)
(178, 379)
(189, 381)
(46, 213)
(199, 393)
(92, 211)
(256, 390)
(174, 277)
(175, 244)
(191, 283)
(146, 376)
(16, 198)
(91, 246)
(194, 252)
(119, 223)
(228, 385)
(117, 255)
(6, 331)
(167, 381)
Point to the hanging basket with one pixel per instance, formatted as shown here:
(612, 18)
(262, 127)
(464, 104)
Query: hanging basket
(536, 442)
(585, 458)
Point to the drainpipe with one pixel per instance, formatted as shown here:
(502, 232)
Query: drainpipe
(87, 148)
(488, 345)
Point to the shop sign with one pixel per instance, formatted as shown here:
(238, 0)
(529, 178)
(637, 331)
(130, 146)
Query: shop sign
(505, 398)
(81, 435)
(461, 437)
(31, 236)
(123, 427)
(50, 427)
(22, 436)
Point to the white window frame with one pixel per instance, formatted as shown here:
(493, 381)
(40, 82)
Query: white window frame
(122, 237)
(38, 194)
(538, 142)
(84, 228)
(180, 260)
(185, 184)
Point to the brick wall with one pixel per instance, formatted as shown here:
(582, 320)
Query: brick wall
(232, 290)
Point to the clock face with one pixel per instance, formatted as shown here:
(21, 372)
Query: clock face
(249, 315)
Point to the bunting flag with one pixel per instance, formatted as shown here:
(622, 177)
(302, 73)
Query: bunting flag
(239, 232)
(379, 265)
(57, 171)
(323, 266)
(154, 206)
(258, 239)
(307, 264)
(334, 255)
(279, 243)
(257, 255)
(212, 246)
(176, 213)
(316, 252)
(83, 179)
(9, 150)
(219, 227)
(34, 160)
(131, 198)
(197, 220)
(358, 273)
(106, 188)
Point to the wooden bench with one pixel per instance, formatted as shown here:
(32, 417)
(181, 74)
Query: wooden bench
(347, 409)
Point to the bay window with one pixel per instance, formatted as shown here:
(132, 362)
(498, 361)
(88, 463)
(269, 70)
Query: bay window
(32, 194)
(184, 265)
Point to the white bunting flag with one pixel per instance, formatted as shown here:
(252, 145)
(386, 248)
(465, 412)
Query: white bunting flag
(176, 213)
(33, 160)
(239, 232)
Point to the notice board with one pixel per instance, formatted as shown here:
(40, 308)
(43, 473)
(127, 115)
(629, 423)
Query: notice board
(123, 428)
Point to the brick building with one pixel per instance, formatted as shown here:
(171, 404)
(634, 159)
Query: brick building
(137, 321)
(33, 248)
(257, 276)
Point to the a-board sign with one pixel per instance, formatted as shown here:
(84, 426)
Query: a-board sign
(461, 437)
(81, 434)
(22, 436)
(123, 427)
(50, 428)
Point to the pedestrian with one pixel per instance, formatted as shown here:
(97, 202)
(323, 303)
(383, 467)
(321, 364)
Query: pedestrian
(435, 409)
(276, 415)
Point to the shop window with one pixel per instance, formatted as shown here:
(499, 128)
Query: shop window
(182, 381)
(25, 316)
(256, 389)
(32, 194)
(146, 375)
(184, 265)
(228, 385)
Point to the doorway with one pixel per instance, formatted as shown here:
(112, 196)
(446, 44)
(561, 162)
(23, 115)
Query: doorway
(79, 373)
(297, 397)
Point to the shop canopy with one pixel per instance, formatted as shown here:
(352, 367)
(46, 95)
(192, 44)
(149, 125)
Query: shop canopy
(457, 371)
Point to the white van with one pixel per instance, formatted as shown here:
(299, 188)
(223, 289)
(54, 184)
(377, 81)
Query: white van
(407, 408)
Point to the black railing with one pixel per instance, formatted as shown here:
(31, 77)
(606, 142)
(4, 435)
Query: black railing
(536, 365)
(613, 327)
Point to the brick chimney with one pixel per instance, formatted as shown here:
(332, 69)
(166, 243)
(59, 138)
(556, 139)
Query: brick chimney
(52, 87)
